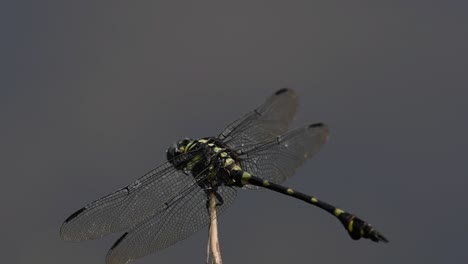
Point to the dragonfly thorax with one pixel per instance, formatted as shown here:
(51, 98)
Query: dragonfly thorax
(203, 156)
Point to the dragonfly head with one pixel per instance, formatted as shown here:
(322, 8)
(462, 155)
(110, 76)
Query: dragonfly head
(176, 149)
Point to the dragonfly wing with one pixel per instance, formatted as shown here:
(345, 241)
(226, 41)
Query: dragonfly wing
(269, 120)
(278, 158)
(185, 216)
(126, 207)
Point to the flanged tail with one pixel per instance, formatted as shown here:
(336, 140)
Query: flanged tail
(357, 228)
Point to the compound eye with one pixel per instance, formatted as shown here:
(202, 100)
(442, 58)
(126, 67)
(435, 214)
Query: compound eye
(171, 152)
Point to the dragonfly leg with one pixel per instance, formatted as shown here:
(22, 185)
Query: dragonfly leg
(219, 198)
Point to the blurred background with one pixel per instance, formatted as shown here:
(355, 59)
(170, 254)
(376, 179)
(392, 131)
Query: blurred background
(93, 93)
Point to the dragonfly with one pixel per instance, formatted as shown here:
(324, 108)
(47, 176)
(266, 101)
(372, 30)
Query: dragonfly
(170, 202)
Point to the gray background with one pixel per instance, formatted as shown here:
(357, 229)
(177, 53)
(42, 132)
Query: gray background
(93, 92)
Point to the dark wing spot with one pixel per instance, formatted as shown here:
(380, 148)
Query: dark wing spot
(317, 125)
(75, 214)
(119, 240)
(280, 91)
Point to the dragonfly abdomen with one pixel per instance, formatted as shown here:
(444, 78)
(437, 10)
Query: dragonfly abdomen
(356, 227)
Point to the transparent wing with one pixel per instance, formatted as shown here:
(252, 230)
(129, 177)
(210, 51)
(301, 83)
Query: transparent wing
(277, 159)
(269, 120)
(183, 218)
(128, 206)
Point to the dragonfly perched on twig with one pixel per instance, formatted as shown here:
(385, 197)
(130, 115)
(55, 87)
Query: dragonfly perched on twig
(170, 203)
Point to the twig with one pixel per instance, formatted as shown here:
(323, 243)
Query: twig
(213, 241)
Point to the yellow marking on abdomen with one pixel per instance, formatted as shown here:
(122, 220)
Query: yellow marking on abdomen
(217, 149)
(314, 200)
(350, 226)
(245, 178)
(290, 191)
(211, 145)
(266, 183)
(223, 154)
(228, 162)
(236, 167)
(202, 140)
(338, 211)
